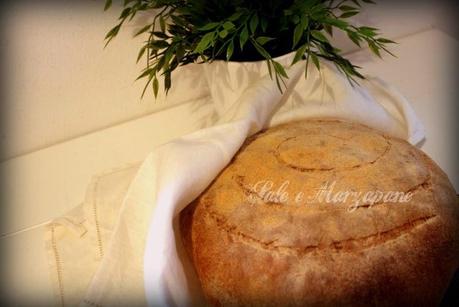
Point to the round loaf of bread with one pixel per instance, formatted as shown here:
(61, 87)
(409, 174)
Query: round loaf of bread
(276, 228)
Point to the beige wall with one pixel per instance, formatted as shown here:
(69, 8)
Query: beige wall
(61, 83)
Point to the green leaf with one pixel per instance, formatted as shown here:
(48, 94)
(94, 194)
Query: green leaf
(349, 14)
(297, 34)
(269, 69)
(263, 39)
(243, 37)
(229, 50)
(346, 8)
(368, 28)
(204, 42)
(147, 72)
(374, 48)
(209, 26)
(386, 41)
(315, 60)
(319, 36)
(155, 86)
(162, 23)
(235, 16)
(108, 4)
(125, 13)
(228, 25)
(167, 82)
(264, 24)
(112, 33)
(336, 22)
(167, 57)
(368, 31)
(296, 19)
(160, 64)
(179, 53)
(161, 35)
(329, 29)
(299, 53)
(143, 30)
(260, 49)
(150, 77)
(280, 69)
(158, 44)
(254, 23)
(299, 30)
(354, 37)
(178, 20)
(141, 53)
(223, 33)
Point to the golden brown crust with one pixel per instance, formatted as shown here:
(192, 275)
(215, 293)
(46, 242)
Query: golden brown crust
(248, 250)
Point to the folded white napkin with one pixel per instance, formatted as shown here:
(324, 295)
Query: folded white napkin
(144, 261)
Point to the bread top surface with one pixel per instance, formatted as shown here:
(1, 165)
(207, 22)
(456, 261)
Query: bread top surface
(258, 196)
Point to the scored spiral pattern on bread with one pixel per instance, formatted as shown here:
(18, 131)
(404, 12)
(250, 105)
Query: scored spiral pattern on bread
(242, 176)
(290, 239)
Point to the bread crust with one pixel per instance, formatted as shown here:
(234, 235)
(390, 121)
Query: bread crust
(248, 251)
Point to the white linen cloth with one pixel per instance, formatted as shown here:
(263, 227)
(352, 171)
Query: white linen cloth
(143, 261)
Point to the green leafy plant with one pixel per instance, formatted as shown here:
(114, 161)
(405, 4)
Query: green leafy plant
(198, 31)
